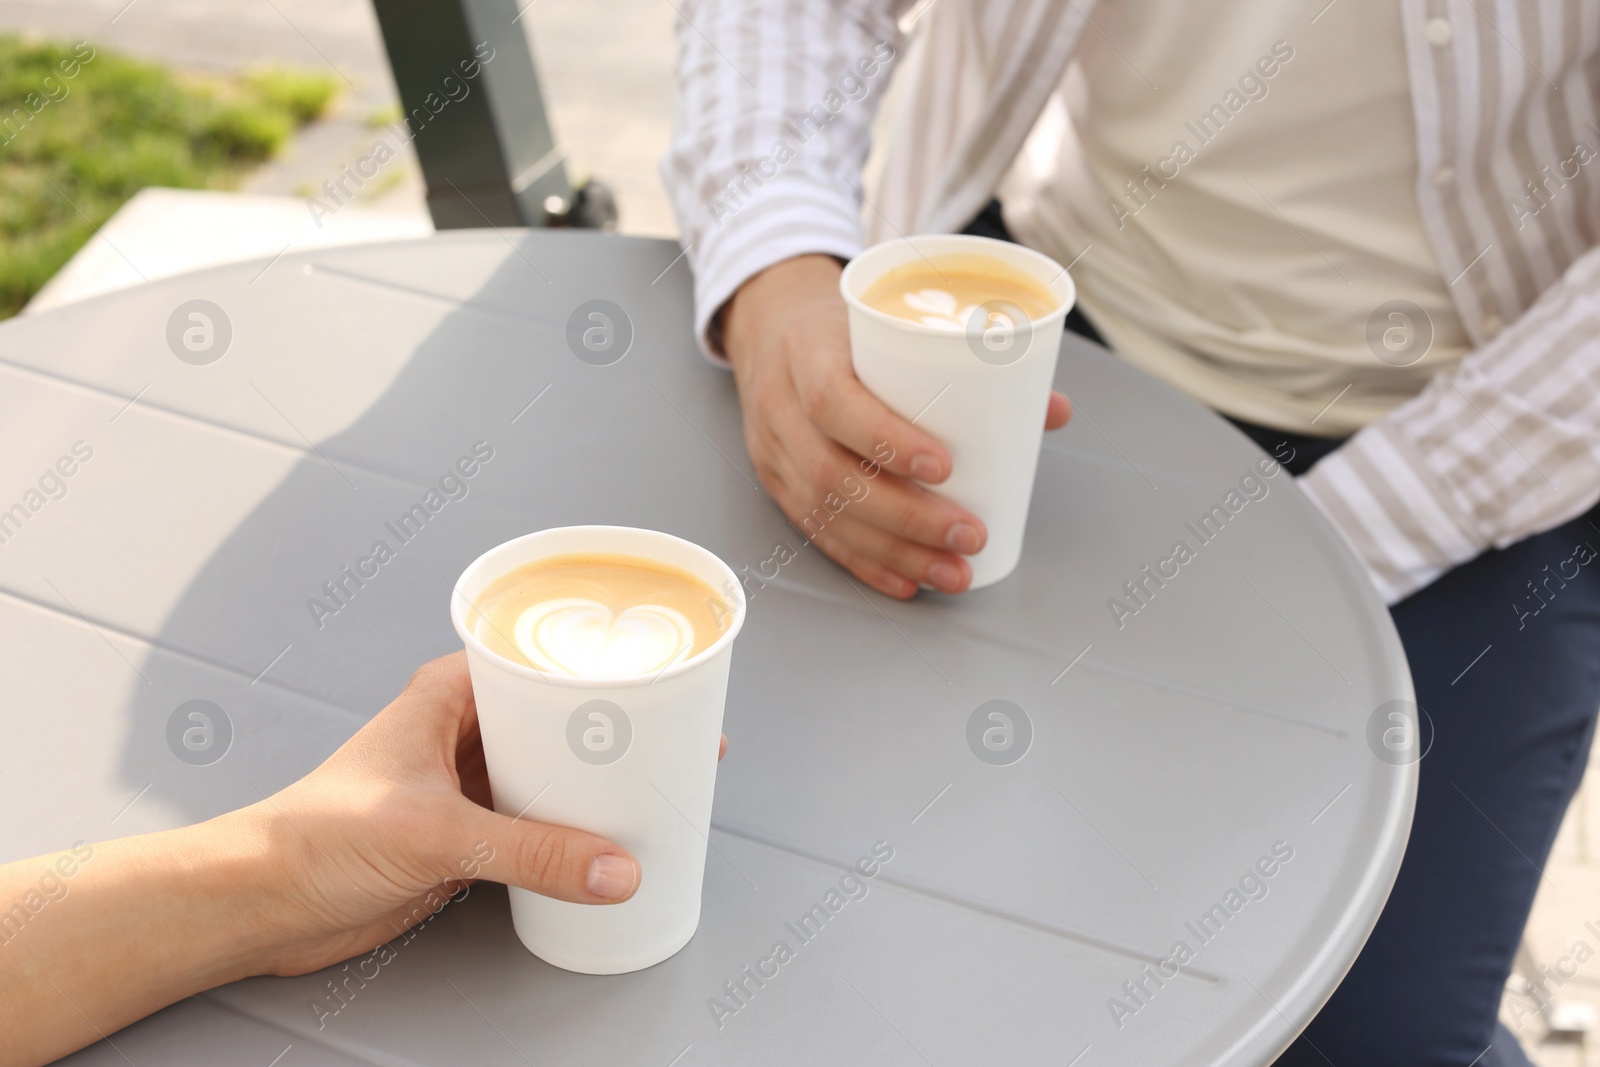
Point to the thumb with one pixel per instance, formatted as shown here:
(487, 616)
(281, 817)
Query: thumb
(553, 861)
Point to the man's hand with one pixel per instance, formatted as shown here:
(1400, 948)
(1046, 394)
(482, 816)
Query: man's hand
(813, 430)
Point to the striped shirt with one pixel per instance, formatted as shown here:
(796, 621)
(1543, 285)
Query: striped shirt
(773, 121)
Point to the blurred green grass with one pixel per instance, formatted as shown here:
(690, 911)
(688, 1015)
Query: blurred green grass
(74, 148)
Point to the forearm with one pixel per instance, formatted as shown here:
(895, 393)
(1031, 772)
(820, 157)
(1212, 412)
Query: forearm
(1503, 446)
(757, 156)
(763, 307)
(369, 844)
(138, 924)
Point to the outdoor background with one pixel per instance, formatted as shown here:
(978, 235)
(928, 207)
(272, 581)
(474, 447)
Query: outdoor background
(608, 93)
(607, 74)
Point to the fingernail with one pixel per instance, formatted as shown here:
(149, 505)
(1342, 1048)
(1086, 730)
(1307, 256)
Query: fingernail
(962, 537)
(925, 468)
(946, 576)
(613, 877)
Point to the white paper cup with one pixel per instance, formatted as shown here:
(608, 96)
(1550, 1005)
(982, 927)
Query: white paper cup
(982, 392)
(633, 760)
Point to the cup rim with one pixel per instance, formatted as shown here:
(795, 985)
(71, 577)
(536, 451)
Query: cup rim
(475, 644)
(856, 304)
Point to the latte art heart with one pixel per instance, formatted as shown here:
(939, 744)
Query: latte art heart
(936, 307)
(580, 638)
(932, 301)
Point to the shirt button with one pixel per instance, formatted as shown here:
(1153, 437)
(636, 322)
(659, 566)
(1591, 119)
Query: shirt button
(1492, 325)
(1444, 175)
(1438, 31)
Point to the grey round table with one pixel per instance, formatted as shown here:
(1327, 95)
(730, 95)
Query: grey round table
(1154, 834)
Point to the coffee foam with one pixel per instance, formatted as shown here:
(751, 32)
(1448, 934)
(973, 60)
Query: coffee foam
(946, 292)
(599, 616)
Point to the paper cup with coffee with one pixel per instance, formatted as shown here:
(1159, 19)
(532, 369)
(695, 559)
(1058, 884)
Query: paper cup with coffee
(960, 334)
(599, 659)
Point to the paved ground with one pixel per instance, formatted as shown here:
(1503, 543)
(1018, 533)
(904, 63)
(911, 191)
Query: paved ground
(1564, 937)
(607, 71)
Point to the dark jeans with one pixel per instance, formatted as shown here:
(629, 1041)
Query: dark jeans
(1512, 695)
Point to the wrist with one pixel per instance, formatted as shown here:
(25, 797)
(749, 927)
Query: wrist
(764, 304)
(239, 879)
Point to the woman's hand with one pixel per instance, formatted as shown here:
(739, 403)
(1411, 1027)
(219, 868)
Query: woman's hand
(399, 819)
(813, 430)
(363, 848)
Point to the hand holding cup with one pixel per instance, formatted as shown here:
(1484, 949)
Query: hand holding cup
(810, 424)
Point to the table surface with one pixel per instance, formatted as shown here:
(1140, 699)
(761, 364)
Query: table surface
(1167, 757)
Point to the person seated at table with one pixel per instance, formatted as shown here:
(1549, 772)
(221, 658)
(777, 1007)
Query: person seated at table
(357, 852)
(1363, 232)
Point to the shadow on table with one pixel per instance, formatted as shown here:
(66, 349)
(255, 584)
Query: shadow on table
(315, 609)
